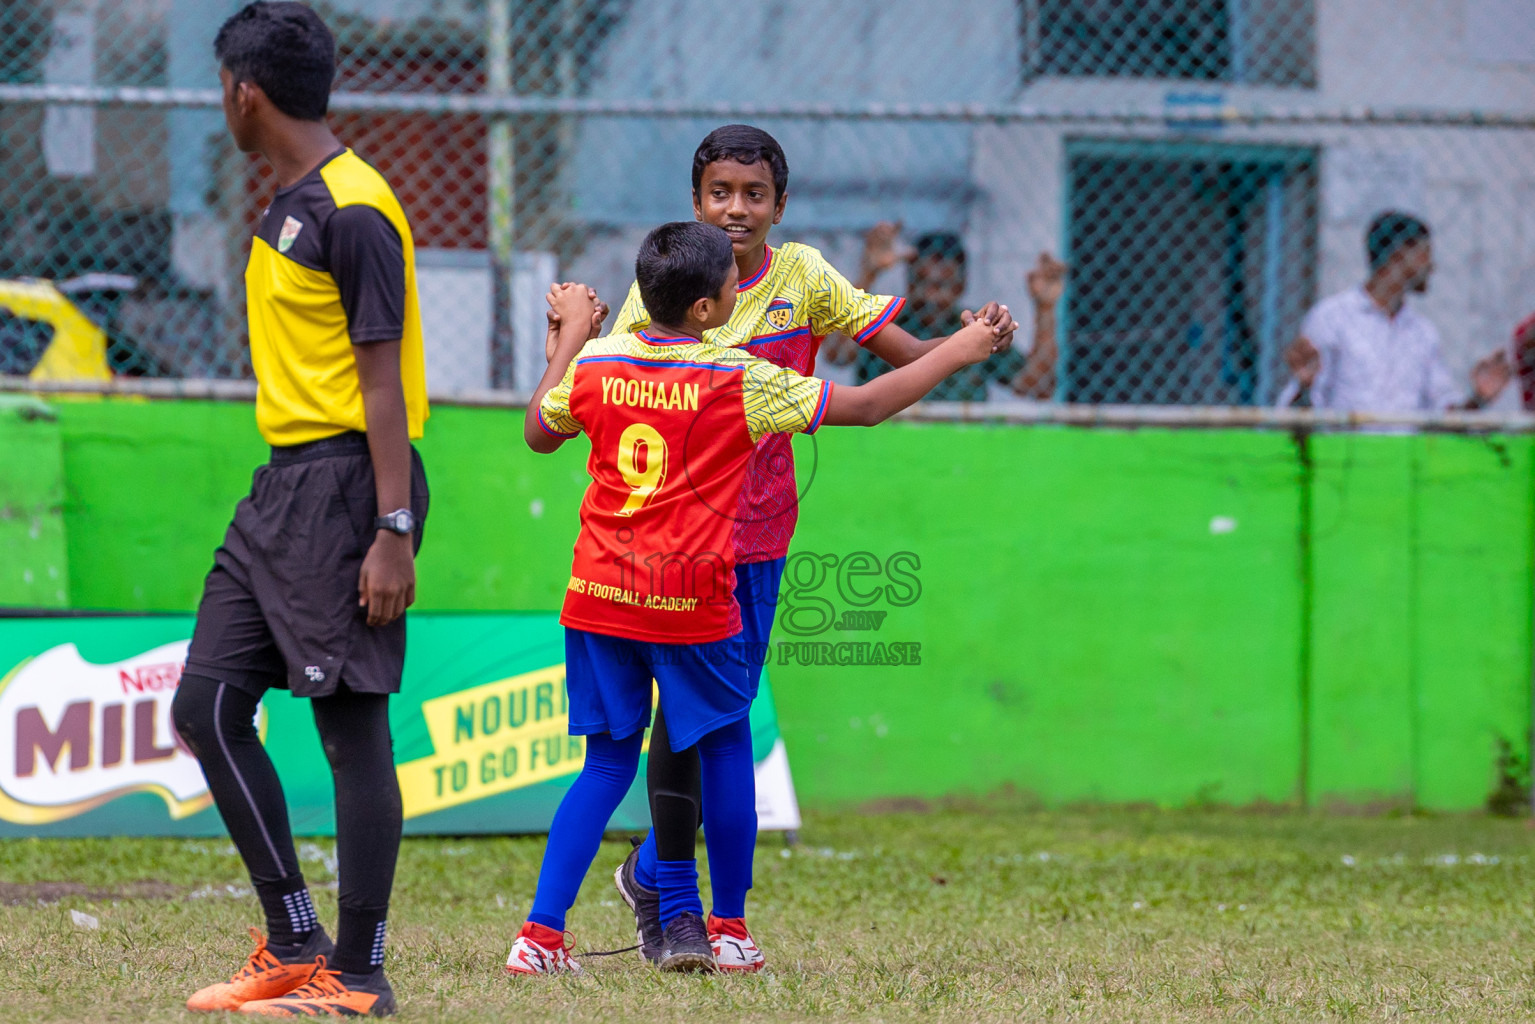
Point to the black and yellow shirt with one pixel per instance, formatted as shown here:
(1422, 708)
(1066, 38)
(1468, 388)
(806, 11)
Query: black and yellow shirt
(332, 266)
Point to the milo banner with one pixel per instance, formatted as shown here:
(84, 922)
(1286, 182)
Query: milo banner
(87, 746)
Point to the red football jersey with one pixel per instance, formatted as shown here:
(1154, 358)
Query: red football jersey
(673, 423)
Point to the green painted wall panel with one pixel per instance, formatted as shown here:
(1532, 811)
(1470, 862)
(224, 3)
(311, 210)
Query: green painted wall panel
(151, 486)
(1472, 620)
(1422, 560)
(1085, 634)
(34, 560)
(503, 520)
(1361, 668)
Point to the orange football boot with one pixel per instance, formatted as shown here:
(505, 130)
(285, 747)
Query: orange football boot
(263, 976)
(326, 995)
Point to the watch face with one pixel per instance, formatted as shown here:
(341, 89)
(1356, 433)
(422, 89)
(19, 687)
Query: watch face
(400, 521)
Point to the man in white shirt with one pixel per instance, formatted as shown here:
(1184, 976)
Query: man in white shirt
(1366, 350)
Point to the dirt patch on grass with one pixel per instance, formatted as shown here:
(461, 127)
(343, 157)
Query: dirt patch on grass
(897, 805)
(24, 893)
(1005, 799)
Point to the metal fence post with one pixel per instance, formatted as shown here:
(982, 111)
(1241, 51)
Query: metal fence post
(502, 188)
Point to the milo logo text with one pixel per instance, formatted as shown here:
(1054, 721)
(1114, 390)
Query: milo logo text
(74, 735)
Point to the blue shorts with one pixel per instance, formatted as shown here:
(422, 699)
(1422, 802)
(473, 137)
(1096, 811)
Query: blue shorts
(703, 686)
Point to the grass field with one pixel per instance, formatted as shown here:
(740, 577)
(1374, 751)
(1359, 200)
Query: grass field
(964, 914)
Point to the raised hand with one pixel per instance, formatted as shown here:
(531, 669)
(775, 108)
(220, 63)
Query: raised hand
(975, 342)
(1047, 281)
(883, 249)
(1304, 360)
(1491, 375)
(598, 316)
(552, 335)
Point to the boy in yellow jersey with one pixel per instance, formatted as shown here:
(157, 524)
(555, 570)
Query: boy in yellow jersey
(788, 300)
(309, 588)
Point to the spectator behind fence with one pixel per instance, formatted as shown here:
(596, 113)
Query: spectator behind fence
(1522, 355)
(1367, 350)
(936, 287)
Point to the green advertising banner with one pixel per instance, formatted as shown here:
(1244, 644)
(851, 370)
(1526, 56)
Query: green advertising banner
(87, 747)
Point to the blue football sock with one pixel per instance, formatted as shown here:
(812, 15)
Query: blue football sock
(645, 863)
(729, 813)
(580, 821)
(677, 882)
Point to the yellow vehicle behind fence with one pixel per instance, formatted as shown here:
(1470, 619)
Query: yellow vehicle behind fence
(78, 350)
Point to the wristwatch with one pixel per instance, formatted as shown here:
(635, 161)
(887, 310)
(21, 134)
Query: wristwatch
(401, 521)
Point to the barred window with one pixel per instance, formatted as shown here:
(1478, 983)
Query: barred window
(1270, 42)
(1193, 264)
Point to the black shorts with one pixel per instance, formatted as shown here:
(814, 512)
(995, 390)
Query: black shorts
(279, 607)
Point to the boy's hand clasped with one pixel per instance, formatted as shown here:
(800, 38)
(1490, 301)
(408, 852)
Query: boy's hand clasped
(597, 316)
(977, 340)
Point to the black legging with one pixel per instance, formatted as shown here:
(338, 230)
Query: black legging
(676, 795)
(216, 720)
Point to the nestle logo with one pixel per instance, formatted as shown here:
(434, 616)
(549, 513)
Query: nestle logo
(151, 678)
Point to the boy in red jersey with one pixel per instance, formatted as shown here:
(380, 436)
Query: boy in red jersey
(673, 422)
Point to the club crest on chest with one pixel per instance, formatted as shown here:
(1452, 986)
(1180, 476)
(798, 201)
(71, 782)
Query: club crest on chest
(289, 233)
(780, 314)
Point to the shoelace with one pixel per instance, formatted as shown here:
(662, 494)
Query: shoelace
(259, 960)
(609, 952)
(324, 982)
(569, 943)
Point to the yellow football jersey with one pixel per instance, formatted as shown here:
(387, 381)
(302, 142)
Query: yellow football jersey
(786, 309)
(324, 276)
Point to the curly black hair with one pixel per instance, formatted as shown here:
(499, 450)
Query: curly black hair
(286, 50)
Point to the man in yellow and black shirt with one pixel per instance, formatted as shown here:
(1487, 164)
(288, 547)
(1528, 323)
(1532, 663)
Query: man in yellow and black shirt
(309, 589)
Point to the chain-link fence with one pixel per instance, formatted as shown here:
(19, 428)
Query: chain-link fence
(1206, 168)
